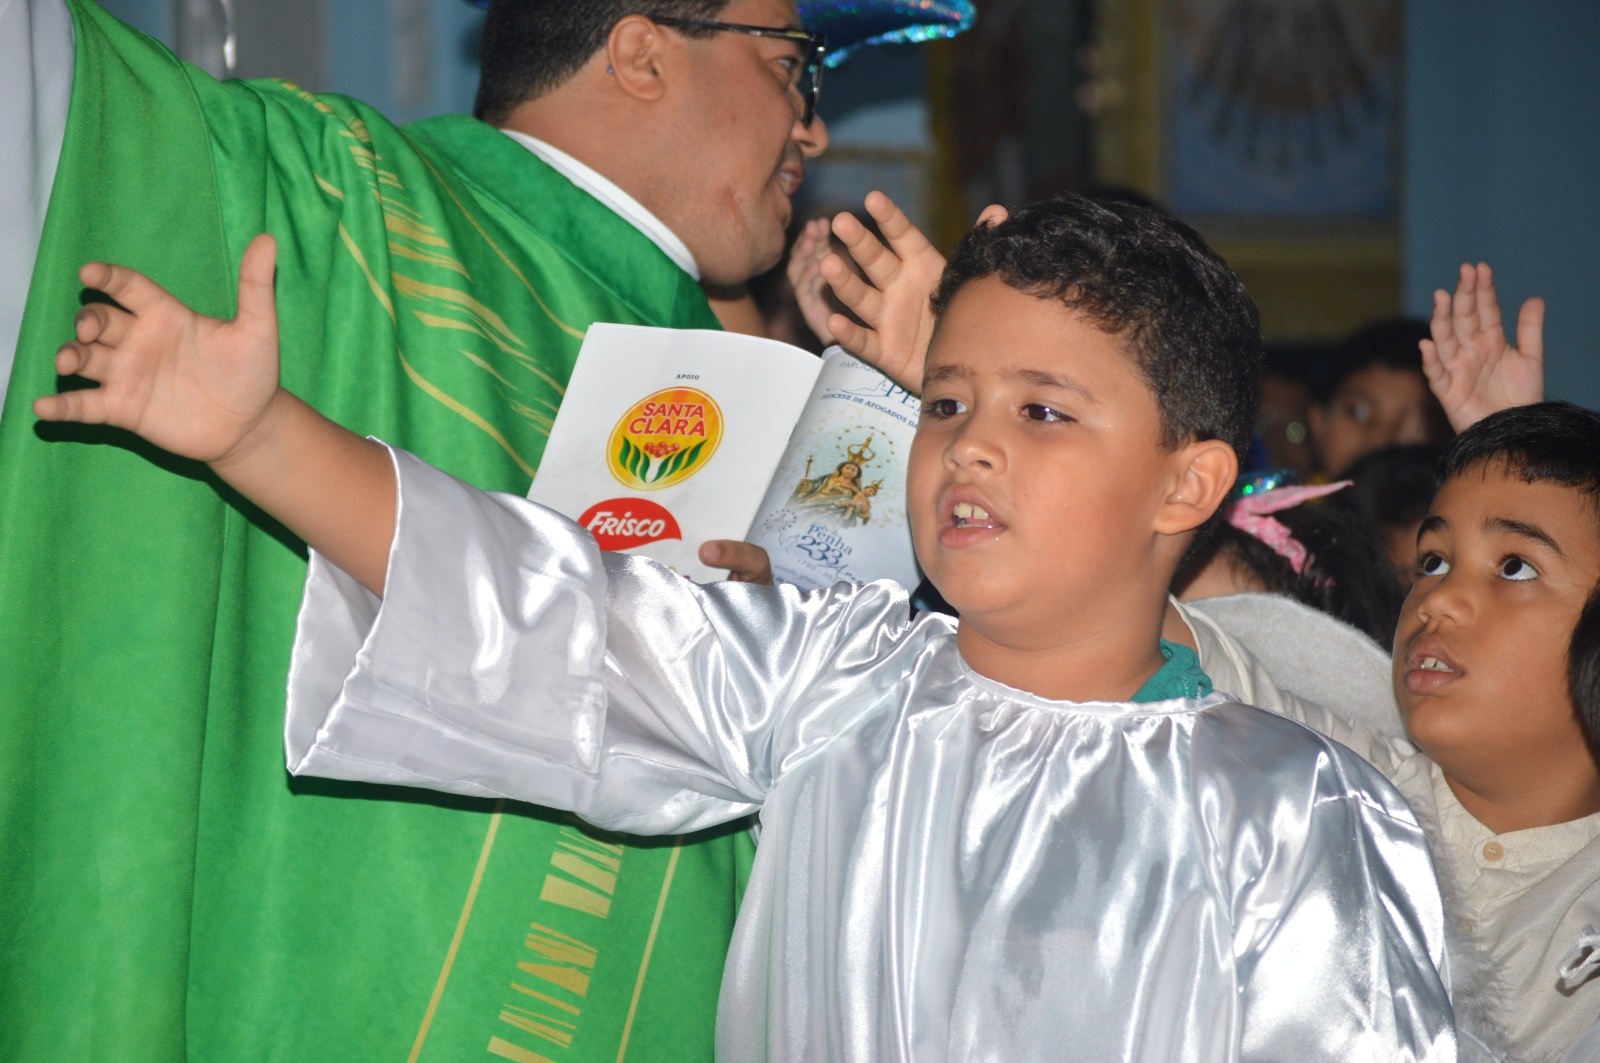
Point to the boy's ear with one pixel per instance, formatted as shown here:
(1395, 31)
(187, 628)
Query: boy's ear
(635, 57)
(1203, 474)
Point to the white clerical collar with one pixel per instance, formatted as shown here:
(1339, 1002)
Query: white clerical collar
(605, 191)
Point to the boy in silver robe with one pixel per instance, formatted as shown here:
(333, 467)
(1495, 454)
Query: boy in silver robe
(1035, 833)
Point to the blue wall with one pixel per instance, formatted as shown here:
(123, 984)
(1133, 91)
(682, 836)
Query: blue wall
(364, 62)
(1503, 165)
(368, 52)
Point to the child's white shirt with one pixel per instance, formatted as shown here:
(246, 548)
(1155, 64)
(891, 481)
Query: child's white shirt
(1527, 900)
(1264, 647)
(948, 868)
(1520, 902)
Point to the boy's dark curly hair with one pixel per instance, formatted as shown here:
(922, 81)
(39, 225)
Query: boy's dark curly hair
(1546, 442)
(1142, 275)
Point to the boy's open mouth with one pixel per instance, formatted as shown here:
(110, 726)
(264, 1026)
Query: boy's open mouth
(966, 519)
(1429, 667)
(966, 515)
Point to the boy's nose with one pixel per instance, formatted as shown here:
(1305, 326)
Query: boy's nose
(974, 446)
(1441, 599)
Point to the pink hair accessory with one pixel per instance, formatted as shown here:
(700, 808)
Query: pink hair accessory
(1250, 515)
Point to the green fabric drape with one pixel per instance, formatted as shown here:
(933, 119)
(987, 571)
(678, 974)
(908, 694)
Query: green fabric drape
(166, 891)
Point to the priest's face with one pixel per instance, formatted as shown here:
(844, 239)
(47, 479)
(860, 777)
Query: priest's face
(745, 144)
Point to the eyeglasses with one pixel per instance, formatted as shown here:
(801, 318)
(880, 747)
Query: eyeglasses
(813, 47)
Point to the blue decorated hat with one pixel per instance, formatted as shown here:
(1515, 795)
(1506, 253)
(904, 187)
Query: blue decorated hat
(853, 24)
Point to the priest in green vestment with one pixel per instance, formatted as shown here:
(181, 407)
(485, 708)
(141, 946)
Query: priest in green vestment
(166, 891)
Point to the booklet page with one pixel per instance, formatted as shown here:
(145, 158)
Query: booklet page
(836, 509)
(668, 437)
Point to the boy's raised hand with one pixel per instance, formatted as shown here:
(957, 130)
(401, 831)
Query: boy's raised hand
(1471, 368)
(893, 300)
(190, 384)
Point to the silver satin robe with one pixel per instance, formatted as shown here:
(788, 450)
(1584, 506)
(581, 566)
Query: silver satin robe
(948, 868)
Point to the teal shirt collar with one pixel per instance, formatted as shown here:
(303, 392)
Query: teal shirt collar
(1180, 677)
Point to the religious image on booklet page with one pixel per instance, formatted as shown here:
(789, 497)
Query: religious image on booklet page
(669, 437)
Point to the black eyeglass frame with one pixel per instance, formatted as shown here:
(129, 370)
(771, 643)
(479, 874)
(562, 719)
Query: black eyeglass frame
(814, 48)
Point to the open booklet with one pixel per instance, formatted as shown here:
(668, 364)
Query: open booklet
(669, 437)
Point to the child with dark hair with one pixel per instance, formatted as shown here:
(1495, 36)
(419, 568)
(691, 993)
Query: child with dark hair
(1493, 659)
(1510, 797)
(1251, 644)
(1495, 674)
(1035, 833)
(1507, 560)
(1375, 396)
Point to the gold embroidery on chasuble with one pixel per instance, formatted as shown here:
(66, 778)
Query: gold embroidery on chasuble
(446, 302)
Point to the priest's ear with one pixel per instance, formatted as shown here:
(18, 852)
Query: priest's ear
(1199, 477)
(636, 57)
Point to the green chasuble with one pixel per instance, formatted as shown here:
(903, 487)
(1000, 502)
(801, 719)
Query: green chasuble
(167, 891)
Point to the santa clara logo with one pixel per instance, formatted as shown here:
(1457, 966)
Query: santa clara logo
(665, 438)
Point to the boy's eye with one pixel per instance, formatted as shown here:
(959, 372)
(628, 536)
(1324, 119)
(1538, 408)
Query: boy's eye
(1038, 412)
(1431, 564)
(1517, 569)
(943, 408)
